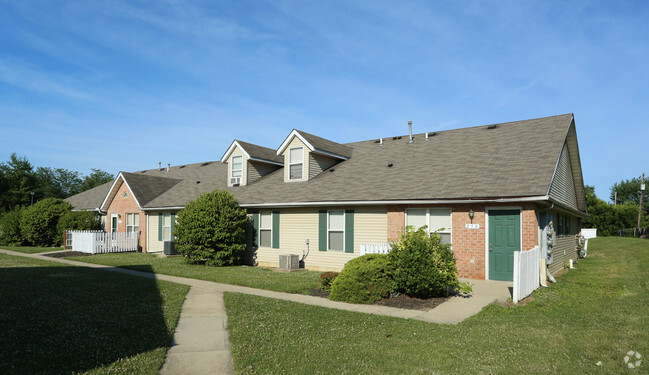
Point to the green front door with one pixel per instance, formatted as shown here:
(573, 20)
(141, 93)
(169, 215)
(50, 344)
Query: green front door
(504, 239)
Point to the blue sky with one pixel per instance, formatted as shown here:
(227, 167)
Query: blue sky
(123, 85)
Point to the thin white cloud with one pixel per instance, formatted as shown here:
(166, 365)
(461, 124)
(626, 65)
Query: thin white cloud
(40, 81)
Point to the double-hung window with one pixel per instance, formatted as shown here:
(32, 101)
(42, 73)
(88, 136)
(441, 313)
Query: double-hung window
(296, 163)
(237, 166)
(166, 227)
(132, 224)
(266, 229)
(336, 230)
(437, 220)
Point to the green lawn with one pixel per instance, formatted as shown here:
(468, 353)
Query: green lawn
(255, 277)
(595, 314)
(57, 319)
(30, 249)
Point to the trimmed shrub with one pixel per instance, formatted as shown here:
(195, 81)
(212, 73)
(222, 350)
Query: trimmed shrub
(10, 227)
(79, 220)
(365, 279)
(423, 266)
(212, 229)
(38, 222)
(326, 279)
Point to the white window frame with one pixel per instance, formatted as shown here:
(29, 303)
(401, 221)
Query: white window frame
(114, 219)
(130, 228)
(291, 163)
(336, 230)
(269, 229)
(428, 227)
(164, 216)
(240, 170)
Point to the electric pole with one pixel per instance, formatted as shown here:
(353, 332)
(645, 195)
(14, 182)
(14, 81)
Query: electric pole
(642, 186)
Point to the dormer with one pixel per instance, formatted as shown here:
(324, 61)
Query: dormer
(306, 155)
(248, 162)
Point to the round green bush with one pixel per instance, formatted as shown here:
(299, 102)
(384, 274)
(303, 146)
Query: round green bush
(79, 220)
(212, 229)
(423, 266)
(365, 279)
(38, 222)
(10, 227)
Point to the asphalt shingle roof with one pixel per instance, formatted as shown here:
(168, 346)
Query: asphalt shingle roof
(515, 159)
(326, 145)
(261, 152)
(90, 199)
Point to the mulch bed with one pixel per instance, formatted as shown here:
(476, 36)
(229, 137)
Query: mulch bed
(401, 301)
(64, 254)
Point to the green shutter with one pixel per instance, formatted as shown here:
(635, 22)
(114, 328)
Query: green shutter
(173, 224)
(160, 227)
(349, 231)
(322, 230)
(275, 230)
(255, 228)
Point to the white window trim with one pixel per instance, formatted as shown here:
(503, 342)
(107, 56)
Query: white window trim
(114, 229)
(133, 226)
(445, 231)
(166, 214)
(232, 170)
(335, 230)
(291, 163)
(270, 229)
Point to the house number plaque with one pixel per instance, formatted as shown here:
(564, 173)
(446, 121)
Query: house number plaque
(472, 226)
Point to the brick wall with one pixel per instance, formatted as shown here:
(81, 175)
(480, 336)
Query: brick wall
(122, 205)
(469, 244)
(396, 222)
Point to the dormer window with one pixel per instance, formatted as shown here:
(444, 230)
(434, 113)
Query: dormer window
(296, 163)
(237, 166)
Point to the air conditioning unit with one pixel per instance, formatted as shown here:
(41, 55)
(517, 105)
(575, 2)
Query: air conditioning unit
(289, 261)
(235, 181)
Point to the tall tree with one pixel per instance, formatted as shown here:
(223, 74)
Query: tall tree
(58, 183)
(629, 191)
(96, 178)
(20, 180)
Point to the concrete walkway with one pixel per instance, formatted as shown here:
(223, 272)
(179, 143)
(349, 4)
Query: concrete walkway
(201, 344)
(203, 323)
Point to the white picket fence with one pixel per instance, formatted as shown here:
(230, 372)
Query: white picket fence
(375, 248)
(96, 242)
(527, 270)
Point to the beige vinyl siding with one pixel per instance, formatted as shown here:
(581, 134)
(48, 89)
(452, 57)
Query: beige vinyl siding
(370, 226)
(244, 166)
(564, 249)
(296, 225)
(152, 228)
(257, 170)
(563, 185)
(319, 163)
(305, 163)
(565, 246)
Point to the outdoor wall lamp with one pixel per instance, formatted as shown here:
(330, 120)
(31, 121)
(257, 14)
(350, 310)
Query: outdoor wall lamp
(471, 214)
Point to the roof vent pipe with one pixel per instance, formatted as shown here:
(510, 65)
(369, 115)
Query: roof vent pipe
(381, 142)
(168, 165)
(426, 136)
(410, 127)
(159, 165)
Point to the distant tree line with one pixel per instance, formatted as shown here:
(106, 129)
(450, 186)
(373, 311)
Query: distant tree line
(611, 218)
(18, 178)
(43, 223)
